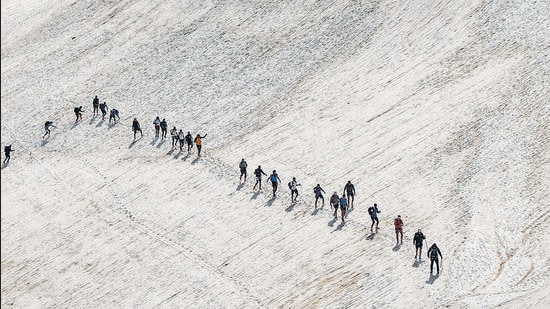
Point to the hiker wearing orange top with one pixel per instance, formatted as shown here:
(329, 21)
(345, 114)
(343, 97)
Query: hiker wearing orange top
(198, 142)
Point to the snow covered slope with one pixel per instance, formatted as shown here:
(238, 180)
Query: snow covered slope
(436, 110)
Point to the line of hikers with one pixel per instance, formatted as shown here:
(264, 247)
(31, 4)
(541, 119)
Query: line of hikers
(161, 127)
(336, 202)
(343, 202)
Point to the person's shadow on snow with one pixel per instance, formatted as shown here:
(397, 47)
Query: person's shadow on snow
(154, 141)
(170, 152)
(290, 207)
(92, 120)
(417, 263)
(4, 165)
(161, 142)
(396, 247)
(371, 236)
(240, 186)
(270, 201)
(255, 195)
(432, 279)
(331, 222)
(134, 142)
(314, 213)
(348, 211)
(196, 160)
(186, 156)
(340, 226)
(100, 123)
(75, 124)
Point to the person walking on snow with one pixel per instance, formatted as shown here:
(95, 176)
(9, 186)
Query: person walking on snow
(398, 223)
(7, 152)
(343, 206)
(434, 253)
(242, 166)
(319, 194)
(334, 202)
(103, 107)
(95, 104)
(78, 113)
(189, 141)
(293, 186)
(163, 128)
(136, 127)
(198, 142)
(47, 126)
(373, 212)
(258, 172)
(181, 138)
(274, 181)
(156, 122)
(114, 116)
(174, 135)
(418, 240)
(349, 188)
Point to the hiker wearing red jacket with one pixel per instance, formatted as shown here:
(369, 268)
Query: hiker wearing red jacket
(398, 223)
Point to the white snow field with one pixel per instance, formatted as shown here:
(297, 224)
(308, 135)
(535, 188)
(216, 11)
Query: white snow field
(436, 110)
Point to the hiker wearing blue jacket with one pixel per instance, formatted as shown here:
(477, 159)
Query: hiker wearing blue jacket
(274, 181)
(343, 206)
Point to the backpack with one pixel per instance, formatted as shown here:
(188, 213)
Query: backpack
(273, 178)
(398, 222)
(433, 252)
(7, 148)
(371, 211)
(76, 109)
(290, 185)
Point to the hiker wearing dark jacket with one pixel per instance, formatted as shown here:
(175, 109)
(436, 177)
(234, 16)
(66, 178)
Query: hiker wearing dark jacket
(258, 172)
(78, 113)
(47, 126)
(242, 166)
(95, 104)
(318, 194)
(373, 212)
(163, 128)
(103, 107)
(189, 141)
(114, 116)
(136, 127)
(434, 254)
(418, 240)
(334, 202)
(156, 122)
(349, 189)
(7, 152)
